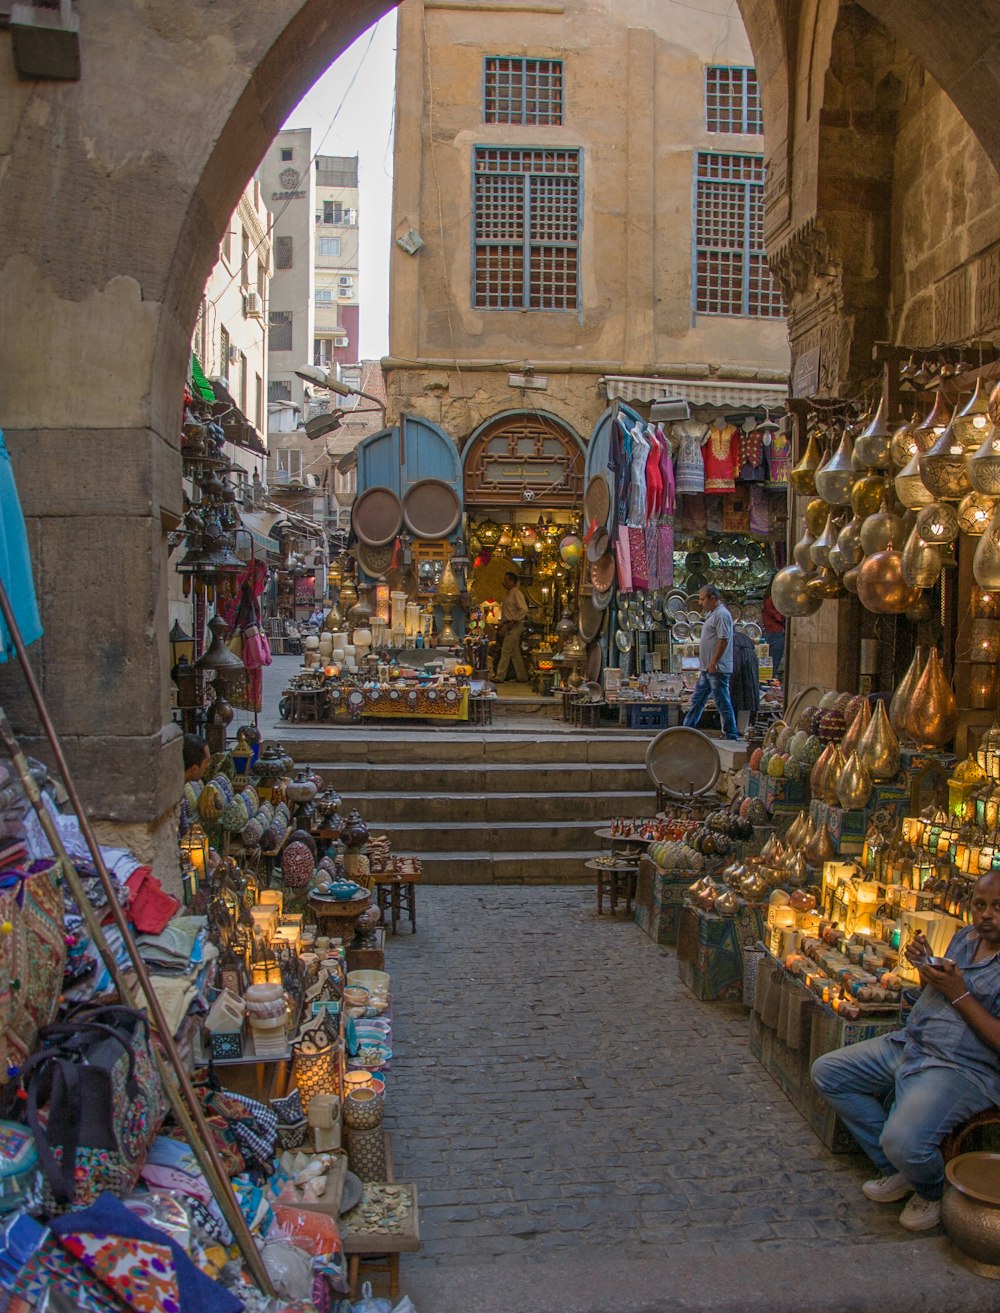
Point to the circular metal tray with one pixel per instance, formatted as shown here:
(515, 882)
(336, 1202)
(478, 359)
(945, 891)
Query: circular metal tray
(591, 620)
(683, 762)
(377, 516)
(597, 502)
(432, 509)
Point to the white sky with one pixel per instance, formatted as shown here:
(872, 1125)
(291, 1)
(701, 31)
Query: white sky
(361, 118)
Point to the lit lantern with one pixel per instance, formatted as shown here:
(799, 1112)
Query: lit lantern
(194, 852)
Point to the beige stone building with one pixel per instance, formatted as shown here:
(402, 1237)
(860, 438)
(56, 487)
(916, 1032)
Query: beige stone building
(577, 210)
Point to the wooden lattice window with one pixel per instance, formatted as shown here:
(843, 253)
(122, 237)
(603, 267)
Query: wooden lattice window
(526, 91)
(732, 273)
(524, 460)
(732, 100)
(527, 229)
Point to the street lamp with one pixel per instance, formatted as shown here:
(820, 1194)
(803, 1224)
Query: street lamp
(326, 378)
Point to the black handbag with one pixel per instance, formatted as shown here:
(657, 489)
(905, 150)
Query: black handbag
(94, 1104)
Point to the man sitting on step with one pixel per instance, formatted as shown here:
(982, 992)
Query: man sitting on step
(943, 1067)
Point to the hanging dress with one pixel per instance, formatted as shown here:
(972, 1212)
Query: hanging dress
(637, 480)
(751, 460)
(690, 469)
(721, 454)
(15, 562)
(778, 454)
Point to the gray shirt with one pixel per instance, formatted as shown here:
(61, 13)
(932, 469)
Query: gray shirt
(718, 625)
(936, 1035)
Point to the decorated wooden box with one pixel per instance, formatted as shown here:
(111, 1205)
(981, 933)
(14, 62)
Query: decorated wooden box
(659, 900)
(710, 950)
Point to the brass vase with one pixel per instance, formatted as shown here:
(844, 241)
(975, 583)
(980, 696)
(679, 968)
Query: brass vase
(855, 785)
(832, 777)
(881, 585)
(899, 706)
(879, 746)
(849, 743)
(933, 716)
(818, 774)
(821, 849)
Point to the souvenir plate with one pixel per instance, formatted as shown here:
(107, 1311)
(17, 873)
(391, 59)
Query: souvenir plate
(674, 602)
(623, 641)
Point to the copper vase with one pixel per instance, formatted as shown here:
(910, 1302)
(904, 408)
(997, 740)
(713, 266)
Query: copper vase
(855, 785)
(821, 849)
(879, 746)
(856, 729)
(899, 707)
(933, 716)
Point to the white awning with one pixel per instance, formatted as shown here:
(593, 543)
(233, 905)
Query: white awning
(697, 392)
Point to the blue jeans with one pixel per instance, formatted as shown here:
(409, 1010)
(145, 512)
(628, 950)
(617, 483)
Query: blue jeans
(716, 686)
(776, 647)
(929, 1103)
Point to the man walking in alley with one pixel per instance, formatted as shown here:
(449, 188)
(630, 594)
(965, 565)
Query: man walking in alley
(715, 651)
(513, 610)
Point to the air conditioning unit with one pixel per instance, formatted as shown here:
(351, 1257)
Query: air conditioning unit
(311, 481)
(234, 355)
(345, 280)
(253, 307)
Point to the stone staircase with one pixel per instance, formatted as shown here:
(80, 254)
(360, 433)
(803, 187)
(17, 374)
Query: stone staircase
(498, 807)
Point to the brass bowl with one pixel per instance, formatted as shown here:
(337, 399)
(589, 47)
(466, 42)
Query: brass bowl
(970, 1209)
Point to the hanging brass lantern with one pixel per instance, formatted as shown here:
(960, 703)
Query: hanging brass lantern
(880, 531)
(816, 513)
(905, 443)
(993, 405)
(934, 422)
(881, 586)
(820, 550)
(790, 593)
(937, 523)
(933, 715)
(850, 580)
(867, 495)
(899, 706)
(983, 465)
(975, 512)
(942, 468)
(818, 774)
(838, 562)
(832, 776)
(872, 449)
(921, 561)
(803, 475)
(855, 785)
(849, 542)
(834, 480)
(910, 487)
(986, 562)
(972, 421)
(802, 551)
(857, 727)
(879, 746)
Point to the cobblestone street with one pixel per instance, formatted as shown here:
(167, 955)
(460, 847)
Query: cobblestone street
(557, 1095)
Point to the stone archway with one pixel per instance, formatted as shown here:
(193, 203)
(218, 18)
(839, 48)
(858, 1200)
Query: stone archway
(114, 192)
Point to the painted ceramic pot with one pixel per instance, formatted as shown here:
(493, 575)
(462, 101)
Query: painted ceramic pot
(364, 1110)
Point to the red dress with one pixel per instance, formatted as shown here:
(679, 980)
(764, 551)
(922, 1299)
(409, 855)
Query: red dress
(721, 453)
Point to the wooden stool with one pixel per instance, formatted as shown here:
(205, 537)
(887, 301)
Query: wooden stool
(382, 1251)
(308, 704)
(616, 882)
(481, 711)
(397, 894)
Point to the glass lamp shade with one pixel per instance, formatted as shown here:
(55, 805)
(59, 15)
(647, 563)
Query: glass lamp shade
(934, 422)
(849, 542)
(937, 523)
(921, 562)
(881, 531)
(975, 512)
(803, 475)
(910, 487)
(973, 420)
(488, 532)
(835, 479)
(942, 468)
(983, 465)
(873, 447)
(986, 562)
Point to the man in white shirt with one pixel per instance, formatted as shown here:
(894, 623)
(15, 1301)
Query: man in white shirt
(716, 660)
(513, 610)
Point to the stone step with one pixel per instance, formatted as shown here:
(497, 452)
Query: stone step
(474, 809)
(491, 867)
(500, 777)
(373, 745)
(417, 838)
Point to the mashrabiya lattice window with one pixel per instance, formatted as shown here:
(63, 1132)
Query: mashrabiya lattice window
(525, 91)
(732, 101)
(526, 229)
(731, 271)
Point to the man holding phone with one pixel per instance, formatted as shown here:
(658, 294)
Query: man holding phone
(943, 1067)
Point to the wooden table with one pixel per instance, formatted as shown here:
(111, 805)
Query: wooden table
(382, 1245)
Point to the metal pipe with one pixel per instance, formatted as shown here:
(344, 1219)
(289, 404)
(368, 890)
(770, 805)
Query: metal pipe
(193, 1116)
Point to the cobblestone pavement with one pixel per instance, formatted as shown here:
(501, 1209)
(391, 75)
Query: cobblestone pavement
(556, 1090)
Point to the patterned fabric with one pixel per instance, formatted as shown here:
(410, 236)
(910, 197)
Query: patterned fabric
(721, 455)
(52, 1267)
(778, 458)
(690, 470)
(140, 1272)
(32, 958)
(751, 458)
(623, 560)
(760, 511)
(637, 558)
